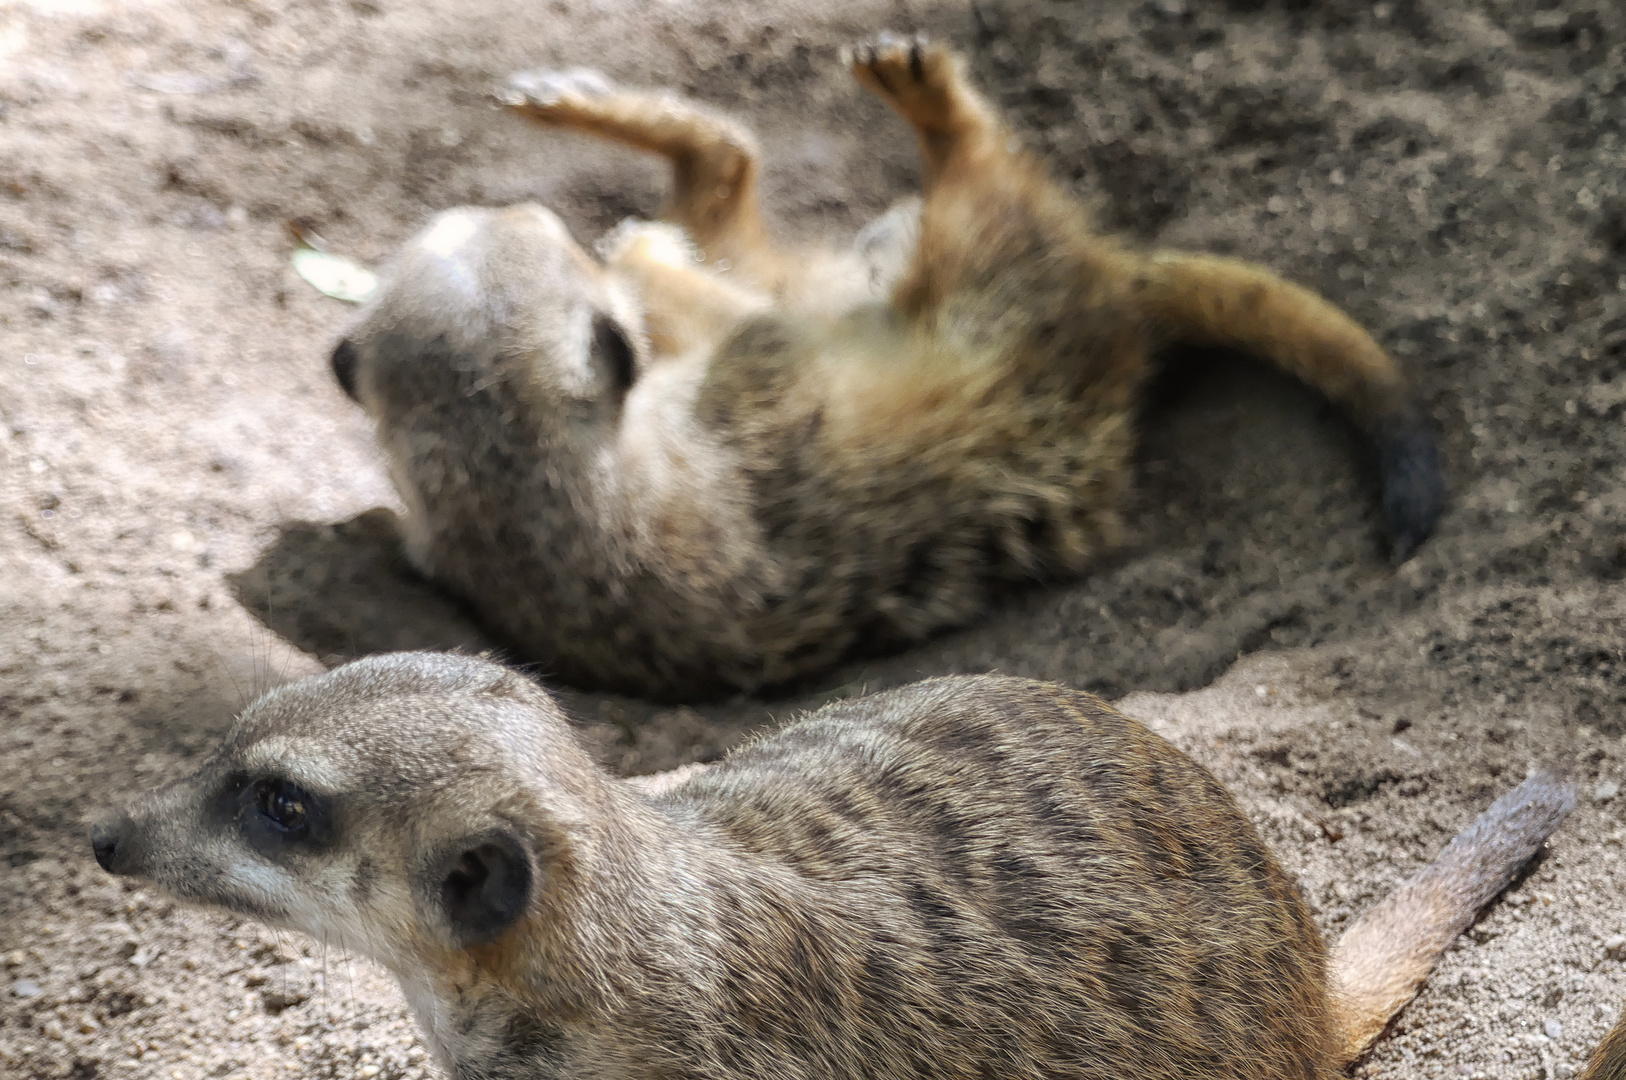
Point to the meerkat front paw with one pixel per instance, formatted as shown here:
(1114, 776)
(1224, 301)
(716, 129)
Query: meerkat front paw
(636, 240)
(555, 96)
(917, 78)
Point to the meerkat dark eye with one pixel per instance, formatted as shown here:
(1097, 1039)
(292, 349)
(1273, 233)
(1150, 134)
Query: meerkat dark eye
(283, 805)
(274, 813)
(612, 354)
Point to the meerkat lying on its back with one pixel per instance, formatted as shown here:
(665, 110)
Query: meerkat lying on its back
(659, 477)
(968, 877)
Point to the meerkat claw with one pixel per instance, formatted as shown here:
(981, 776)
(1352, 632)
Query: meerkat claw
(914, 76)
(548, 89)
(887, 54)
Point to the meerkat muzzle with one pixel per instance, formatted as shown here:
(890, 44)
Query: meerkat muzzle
(114, 851)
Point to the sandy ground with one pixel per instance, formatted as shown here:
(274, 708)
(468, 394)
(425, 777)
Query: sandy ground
(188, 505)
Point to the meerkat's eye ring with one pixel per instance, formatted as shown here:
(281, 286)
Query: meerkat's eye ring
(613, 356)
(275, 814)
(284, 805)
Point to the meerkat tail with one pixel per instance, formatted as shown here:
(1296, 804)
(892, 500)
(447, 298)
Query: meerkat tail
(1608, 1061)
(1209, 300)
(1381, 961)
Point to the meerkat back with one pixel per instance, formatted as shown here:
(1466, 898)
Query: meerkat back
(998, 870)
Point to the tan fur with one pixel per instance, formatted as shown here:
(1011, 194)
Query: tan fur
(763, 459)
(1608, 1061)
(1381, 960)
(968, 877)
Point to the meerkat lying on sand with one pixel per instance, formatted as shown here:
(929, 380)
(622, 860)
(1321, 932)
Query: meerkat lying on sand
(967, 877)
(711, 464)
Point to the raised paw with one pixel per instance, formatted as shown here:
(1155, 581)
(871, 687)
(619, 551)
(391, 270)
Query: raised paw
(918, 79)
(655, 242)
(555, 96)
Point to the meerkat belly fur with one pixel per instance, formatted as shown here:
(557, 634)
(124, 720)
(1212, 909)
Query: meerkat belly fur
(709, 463)
(967, 877)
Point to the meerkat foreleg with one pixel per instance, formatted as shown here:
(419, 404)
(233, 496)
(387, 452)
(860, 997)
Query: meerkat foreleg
(686, 306)
(715, 162)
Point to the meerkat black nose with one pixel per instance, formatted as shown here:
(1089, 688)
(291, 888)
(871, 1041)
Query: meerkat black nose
(104, 841)
(344, 367)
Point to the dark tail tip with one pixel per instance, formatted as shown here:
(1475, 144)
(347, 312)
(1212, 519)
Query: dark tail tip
(1410, 473)
(104, 844)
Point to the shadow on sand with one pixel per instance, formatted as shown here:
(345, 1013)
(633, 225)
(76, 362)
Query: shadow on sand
(345, 590)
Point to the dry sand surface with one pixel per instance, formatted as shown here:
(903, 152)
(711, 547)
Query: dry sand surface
(189, 506)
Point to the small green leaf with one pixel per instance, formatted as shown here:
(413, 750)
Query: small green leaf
(334, 274)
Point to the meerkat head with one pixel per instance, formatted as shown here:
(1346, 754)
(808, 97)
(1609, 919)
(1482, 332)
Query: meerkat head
(494, 295)
(399, 806)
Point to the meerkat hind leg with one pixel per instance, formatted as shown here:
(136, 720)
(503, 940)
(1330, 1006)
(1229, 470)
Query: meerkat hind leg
(923, 84)
(1004, 267)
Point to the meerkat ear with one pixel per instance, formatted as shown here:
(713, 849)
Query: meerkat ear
(484, 886)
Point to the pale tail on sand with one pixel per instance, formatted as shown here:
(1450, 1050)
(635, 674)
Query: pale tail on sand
(1381, 961)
